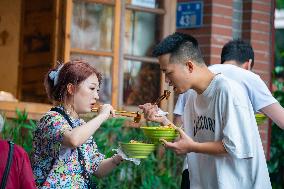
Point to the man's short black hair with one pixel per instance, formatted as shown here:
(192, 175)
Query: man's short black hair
(237, 50)
(172, 43)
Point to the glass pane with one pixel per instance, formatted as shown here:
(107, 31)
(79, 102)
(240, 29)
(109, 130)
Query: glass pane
(141, 82)
(92, 26)
(103, 65)
(141, 33)
(146, 4)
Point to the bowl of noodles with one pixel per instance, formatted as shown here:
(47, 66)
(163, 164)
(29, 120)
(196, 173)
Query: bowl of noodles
(136, 149)
(168, 132)
(260, 118)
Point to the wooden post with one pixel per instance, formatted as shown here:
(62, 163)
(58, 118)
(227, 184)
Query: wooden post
(169, 27)
(67, 30)
(116, 55)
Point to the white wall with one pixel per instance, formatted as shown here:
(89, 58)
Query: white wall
(279, 18)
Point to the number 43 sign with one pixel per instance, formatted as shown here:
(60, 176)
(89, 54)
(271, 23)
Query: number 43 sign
(189, 14)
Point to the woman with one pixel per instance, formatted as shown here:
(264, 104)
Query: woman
(65, 154)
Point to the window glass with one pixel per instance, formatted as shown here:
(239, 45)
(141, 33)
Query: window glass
(92, 26)
(141, 82)
(237, 19)
(144, 3)
(140, 33)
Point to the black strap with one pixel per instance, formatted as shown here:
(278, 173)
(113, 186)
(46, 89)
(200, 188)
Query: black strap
(8, 165)
(185, 183)
(80, 154)
(58, 110)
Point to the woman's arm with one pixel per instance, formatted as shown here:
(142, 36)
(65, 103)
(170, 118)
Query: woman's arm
(79, 135)
(213, 148)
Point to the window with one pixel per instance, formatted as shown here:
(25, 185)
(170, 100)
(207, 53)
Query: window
(117, 38)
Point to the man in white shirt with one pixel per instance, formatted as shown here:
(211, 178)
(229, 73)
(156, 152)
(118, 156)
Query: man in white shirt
(221, 137)
(237, 54)
(237, 59)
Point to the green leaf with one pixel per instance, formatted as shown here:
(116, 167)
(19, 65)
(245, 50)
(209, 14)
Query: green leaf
(27, 126)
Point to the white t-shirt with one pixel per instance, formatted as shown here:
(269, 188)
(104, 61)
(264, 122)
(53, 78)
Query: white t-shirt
(179, 107)
(223, 113)
(255, 88)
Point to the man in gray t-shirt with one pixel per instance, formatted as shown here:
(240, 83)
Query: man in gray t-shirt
(221, 137)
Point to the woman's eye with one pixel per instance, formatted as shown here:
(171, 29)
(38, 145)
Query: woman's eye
(92, 89)
(168, 73)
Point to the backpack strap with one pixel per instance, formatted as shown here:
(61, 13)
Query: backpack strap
(8, 165)
(60, 111)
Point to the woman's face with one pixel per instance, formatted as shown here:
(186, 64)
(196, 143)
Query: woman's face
(86, 94)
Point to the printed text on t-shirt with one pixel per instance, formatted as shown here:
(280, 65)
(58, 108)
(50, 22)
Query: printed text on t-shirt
(203, 122)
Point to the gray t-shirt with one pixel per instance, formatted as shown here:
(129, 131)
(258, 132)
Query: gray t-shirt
(223, 113)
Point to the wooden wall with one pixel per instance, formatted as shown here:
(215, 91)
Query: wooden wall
(37, 44)
(9, 44)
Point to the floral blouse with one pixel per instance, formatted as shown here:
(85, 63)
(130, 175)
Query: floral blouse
(55, 165)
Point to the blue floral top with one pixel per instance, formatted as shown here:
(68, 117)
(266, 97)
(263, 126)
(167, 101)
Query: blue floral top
(55, 165)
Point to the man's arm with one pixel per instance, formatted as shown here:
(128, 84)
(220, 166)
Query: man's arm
(186, 145)
(275, 112)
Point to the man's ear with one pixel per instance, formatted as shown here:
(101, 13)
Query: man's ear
(70, 89)
(247, 65)
(189, 66)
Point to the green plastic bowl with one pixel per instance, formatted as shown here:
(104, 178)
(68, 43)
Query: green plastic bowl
(157, 133)
(260, 118)
(137, 150)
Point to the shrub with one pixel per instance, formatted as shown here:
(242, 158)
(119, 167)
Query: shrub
(19, 130)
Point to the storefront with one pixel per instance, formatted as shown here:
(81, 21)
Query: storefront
(114, 36)
(117, 36)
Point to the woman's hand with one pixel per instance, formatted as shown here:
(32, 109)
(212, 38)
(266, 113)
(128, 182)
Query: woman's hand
(79, 135)
(107, 165)
(151, 113)
(106, 110)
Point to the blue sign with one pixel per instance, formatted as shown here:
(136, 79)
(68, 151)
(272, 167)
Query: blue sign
(189, 15)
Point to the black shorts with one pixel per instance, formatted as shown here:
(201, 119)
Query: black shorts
(185, 184)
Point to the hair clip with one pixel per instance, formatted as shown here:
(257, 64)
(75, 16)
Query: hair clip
(53, 75)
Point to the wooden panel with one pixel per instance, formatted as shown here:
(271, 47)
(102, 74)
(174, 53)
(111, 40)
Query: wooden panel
(91, 52)
(142, 59)
(68, 19)
(144, 9)
(56, 38)
(105, 2)
(168, 28)
(37, 88)
(34, 110)
(34, 74)
(116, 52)
(37, 46)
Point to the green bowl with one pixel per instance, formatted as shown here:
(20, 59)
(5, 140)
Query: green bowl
(137, 150)
(260, 118)
(157, 133)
